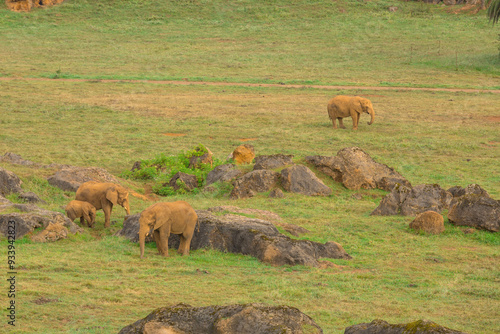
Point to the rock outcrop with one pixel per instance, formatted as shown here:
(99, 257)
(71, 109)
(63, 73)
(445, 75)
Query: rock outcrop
(475, 208)
(9, 182)
(249, 236)
(272, 161)
(243, 154)
(223, 173)
(69, 178)
(58, 225)
(355, 169)
(183, 180)
(231, 319)
(410, 201)
(254, 182)
(383, 327)
(300, 179)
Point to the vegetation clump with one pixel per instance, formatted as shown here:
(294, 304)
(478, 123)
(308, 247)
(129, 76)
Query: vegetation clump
(162, 168)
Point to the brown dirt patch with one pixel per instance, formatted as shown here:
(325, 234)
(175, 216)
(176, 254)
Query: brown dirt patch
(495, 119)
(247, 139)
(174, 134)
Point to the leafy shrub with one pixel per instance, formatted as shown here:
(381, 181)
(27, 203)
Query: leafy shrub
(162, 168)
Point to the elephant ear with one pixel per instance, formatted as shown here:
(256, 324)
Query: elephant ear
(112, 195)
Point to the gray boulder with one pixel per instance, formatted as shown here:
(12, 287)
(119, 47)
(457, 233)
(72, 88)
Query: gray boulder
(383, 327)
(249, 236)
(30, 197)
(300, 179)
(223, 173)
(355, 169)
(183, 180)
(231, 319)
(27, 222)
(16, 159)
(254, 182)
(408, 201)
(475, 208)
(69, 178)
(9, 182)
(272, 161)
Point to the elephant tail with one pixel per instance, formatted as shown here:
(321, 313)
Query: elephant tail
(198, 225)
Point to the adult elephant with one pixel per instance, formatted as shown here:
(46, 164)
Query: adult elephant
(165, 218)
(103, 196)
(349, 106)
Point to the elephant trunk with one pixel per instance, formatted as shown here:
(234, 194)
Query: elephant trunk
(126, 205)
(372, 114)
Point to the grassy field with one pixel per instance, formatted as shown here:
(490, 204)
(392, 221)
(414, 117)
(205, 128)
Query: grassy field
(96, 283)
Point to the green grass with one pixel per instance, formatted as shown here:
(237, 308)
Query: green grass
(281, 41)
(97, 283)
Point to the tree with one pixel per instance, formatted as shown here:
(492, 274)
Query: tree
(494, 11)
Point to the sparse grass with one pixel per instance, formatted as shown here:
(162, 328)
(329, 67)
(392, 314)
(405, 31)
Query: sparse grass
(96, 283)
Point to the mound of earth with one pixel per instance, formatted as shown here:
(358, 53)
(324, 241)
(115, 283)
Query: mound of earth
(249, 236)
(231, 319)
(418, 327)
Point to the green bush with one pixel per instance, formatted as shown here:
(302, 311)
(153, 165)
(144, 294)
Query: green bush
(162, 168)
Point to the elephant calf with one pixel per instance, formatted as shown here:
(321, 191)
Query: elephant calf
(82, 210)
(349, 106)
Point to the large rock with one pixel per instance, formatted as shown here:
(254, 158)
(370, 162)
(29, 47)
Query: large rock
(27, 5)
(183, 180)
(231, 319)
(9, 182)
(255, 237)
(272, 161)
(383, 327)
(355, 169)
(243, 154)
(69, 178)
(223, 173)
(16, 159)
(408, 201)
(196, 160)
(300, 179)
(429, 222)
(59, 225)
(254, 182)
(475, 208)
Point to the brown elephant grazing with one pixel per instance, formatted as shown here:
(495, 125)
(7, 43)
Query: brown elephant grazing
(349, 106)
(165, 218)
(103, 196)
(83, 210)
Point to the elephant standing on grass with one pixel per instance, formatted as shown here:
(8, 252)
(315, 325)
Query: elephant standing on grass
(349, 106)
(165, 218)
(104, 196)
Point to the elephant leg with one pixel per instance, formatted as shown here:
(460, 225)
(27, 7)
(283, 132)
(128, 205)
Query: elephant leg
(82, 221)
(87, 219)
(341, 123)
(107, 214)
(163, 236)
(334, 123)
(186, 244)
(156, 236)
(355, 120)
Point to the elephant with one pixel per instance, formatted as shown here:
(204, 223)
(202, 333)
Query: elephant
(104, 196)
(349, 106)
(82, 210)
(165, 218)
